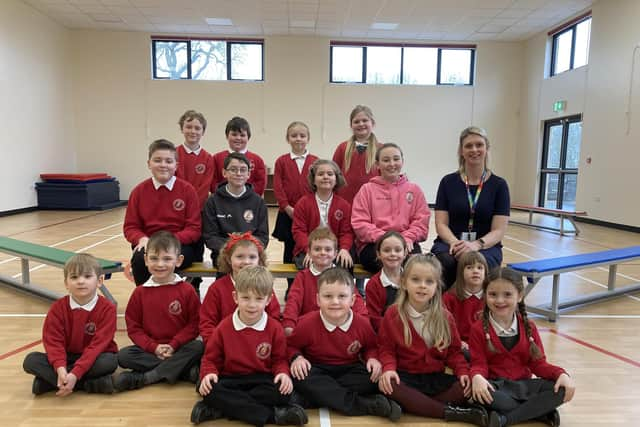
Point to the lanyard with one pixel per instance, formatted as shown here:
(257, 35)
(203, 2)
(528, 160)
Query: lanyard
(473, 201)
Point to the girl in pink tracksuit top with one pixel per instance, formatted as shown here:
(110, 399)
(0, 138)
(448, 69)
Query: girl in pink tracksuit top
(388, 202)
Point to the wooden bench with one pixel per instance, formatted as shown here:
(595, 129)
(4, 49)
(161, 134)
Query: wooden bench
(535, 270)
(51, 256)
(562, 214)
(199, 269)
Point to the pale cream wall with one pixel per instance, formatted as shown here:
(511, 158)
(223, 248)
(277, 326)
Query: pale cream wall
(35, 102)
(600, 91)
(119, 109)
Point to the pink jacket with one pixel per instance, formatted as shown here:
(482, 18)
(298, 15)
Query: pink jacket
(381, 206)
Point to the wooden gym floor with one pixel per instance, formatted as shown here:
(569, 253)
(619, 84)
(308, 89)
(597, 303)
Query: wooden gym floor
(598, 344)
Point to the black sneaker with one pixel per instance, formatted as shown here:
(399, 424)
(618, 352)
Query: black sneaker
(129, 380)
(201, 412)
(194, 374)
(290, 415)
(102, 385)
(40, 386)
(551, 419)
(396, 410)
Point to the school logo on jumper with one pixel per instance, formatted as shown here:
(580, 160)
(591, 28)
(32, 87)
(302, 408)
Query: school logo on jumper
(477, 315)
(90, 328)
(175, 307)
(200, 168)
(354, 347)
(409, 196)
(339, 214)
(263, 350)
(248, 215)
(178, 204)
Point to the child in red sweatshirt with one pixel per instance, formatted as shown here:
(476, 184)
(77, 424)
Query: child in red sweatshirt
(78, 332)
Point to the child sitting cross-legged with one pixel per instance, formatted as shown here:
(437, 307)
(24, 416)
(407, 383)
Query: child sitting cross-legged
(327, 349)
(244, 371)
(77, 336)
(162, 322)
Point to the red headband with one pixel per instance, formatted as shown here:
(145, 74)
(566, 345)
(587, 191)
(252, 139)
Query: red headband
(238, 237)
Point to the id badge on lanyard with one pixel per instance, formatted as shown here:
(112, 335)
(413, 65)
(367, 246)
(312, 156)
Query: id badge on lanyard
(470, 235)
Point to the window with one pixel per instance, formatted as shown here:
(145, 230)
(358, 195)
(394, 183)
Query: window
(200, 59)
(570, 45)
(401, 64)
(560, 161)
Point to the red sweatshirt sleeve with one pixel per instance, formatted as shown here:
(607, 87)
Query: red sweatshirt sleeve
(293, 306)
(133, 224)
(278, 187)
(53, 336)
(133, 317)
(259, 175)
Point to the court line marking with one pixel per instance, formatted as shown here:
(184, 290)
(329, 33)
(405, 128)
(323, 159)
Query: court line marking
(325, 418)
(600, 316)
(32, 315)
(593, 347)
(593, 282)
(19, 349)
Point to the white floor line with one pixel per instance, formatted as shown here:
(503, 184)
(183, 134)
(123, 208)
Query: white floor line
(599, 316)
(593, 282)
(522, 242)
(325, 419)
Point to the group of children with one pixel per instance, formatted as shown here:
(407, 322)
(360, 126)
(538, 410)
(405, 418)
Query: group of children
(381, 359)
(257, 363)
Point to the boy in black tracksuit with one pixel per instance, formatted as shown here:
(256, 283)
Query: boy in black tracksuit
(234, 208)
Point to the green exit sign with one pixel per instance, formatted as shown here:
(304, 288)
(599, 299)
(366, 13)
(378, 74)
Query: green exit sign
(559, 106)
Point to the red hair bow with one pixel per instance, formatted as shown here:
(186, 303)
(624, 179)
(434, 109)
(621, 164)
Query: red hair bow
(238, 237)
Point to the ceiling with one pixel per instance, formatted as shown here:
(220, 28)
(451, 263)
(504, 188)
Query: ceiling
(442, 20)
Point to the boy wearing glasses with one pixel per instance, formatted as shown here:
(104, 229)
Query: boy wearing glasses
(234, 208)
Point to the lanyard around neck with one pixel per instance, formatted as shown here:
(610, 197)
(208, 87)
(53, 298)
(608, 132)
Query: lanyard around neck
(473, 201)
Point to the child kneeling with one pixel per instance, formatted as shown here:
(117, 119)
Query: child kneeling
(244, 372)
(77, 336)
(162, 322)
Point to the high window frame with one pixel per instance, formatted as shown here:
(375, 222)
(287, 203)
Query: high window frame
(440, 49)
(559, 34)
(230, 44)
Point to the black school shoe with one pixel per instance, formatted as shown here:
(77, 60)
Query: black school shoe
(40, 386)
(497, 420)
(201, 413)
(102, 385)
(129, 380)
(290, 415)
(551, 419)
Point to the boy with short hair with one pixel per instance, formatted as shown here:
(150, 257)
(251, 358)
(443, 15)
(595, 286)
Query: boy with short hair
(234, 208)
(244, 372)
(325, 350)
(238, 134)
(162, 322)
(162, 202)
(80, 353)
(195, 164)
(302, 296)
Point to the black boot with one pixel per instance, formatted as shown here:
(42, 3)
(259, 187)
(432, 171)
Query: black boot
(291, 414)
(551, 419)
(380, 406)
(497, 420)
(470, 414)
(40, 386)
(102, 384)
(129, 380)
(202, 412)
